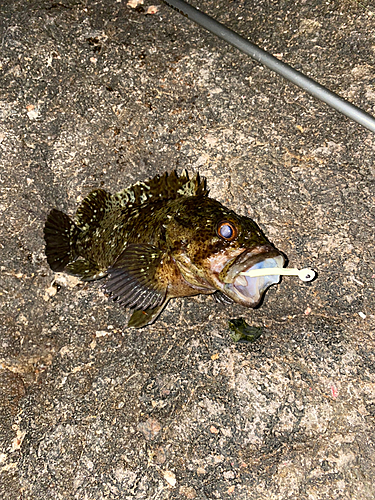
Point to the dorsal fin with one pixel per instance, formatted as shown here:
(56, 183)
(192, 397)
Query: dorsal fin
(93, 208)
(161, 187)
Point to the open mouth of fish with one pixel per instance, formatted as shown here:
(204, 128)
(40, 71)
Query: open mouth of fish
(248, 290)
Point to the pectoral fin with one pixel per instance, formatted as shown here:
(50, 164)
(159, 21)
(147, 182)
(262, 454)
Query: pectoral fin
(133, 279)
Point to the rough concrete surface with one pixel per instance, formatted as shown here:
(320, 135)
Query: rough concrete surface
(100, 94)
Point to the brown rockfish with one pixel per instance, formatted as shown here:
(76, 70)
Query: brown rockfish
(160, 239)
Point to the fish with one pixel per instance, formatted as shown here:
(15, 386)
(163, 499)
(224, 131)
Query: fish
(158, 240)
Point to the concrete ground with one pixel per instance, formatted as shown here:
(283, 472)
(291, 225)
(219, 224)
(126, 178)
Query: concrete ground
(100, 94)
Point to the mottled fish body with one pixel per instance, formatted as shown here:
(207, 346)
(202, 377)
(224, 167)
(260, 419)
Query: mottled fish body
(160, 239)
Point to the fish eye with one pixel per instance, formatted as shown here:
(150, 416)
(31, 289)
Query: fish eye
(227, 230)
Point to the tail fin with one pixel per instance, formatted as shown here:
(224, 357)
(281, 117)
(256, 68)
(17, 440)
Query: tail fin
(59, 235)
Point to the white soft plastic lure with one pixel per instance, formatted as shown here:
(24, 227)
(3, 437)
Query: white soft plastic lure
(303, 274)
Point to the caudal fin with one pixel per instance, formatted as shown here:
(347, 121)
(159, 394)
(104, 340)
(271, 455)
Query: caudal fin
(59, 233)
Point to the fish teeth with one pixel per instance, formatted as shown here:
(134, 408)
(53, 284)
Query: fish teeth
(241, 281)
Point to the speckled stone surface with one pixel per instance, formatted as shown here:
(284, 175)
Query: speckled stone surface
(100, 94)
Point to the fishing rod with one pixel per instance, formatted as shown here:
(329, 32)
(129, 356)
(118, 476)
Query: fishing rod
(308, 84)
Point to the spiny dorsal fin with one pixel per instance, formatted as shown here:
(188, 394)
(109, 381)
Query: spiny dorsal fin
(194, 186)
(93, 209)
(162, 187)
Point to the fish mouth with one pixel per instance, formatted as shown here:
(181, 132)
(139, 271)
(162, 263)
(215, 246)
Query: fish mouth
(247, 290)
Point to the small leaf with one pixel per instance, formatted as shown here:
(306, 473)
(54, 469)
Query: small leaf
(242, 332)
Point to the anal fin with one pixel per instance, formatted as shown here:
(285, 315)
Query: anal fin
(85, 269)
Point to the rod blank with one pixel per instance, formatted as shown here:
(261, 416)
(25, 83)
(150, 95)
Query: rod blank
(283, 69)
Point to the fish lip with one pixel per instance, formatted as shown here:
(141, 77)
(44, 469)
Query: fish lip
(251, 294)
(248, 259)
